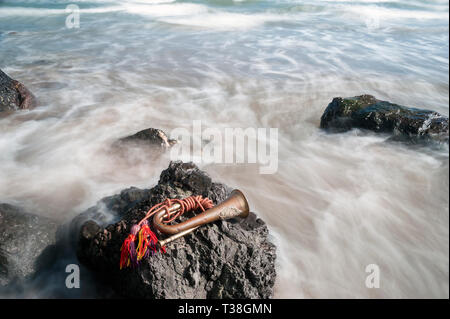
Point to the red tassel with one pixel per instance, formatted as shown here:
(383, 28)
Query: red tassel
(147, 241)
(128, 250)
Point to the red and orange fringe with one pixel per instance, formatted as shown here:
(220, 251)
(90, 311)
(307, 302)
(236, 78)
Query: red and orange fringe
(147, 240)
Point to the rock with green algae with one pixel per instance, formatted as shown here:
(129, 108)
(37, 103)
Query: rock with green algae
(367, 112)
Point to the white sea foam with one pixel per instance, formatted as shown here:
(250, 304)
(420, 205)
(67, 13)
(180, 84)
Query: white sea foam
(224, 20)
(166, 10)
(196, 15)
(31, 12)
(385, 14)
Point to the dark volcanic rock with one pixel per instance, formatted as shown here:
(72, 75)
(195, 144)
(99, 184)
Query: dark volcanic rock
(105, 211)
(3, 263)
(366, 112)
(150, 137)
(25, 240)
(226, 259)
(14, 95)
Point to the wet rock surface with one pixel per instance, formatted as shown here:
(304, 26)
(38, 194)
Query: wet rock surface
(367, 112)
(14, 95)
(225, 259)
(26, 242)
(148, 137)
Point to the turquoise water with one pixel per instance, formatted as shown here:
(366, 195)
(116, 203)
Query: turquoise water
(337, 202)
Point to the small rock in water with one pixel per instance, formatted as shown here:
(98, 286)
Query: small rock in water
(151, 137)
(225, 259)
(367, 112)
(14, 95)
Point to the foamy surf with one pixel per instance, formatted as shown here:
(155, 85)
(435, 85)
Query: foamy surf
(225, 21)
(166, 10)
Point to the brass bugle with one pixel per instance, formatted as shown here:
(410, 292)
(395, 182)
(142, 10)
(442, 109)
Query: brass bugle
(235, 205)
(162, 243)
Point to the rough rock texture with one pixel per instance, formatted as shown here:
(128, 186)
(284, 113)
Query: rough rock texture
(366, 112)
(14, 95)
(3, 263)
(106, 211)
(150, 137)
(25, 240)
(226, 259)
